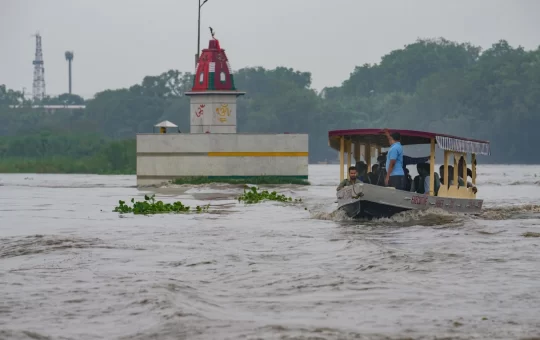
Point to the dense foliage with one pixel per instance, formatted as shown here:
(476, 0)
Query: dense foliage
(434, 85)
(51, 153)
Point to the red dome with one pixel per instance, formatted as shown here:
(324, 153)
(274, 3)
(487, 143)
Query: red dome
(213, 70)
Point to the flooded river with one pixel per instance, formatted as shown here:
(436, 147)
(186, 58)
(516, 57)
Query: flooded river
(70, 268)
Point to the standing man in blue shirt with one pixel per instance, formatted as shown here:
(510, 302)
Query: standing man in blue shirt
(395, 176)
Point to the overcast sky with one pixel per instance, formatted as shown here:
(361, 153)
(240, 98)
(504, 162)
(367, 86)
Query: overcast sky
(118, 42)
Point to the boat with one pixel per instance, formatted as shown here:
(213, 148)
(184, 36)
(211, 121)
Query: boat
(363, 200)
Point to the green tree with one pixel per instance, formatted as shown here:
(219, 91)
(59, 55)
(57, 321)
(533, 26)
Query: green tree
(430, 84)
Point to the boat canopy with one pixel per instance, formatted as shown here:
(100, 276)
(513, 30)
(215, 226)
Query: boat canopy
(376, 137)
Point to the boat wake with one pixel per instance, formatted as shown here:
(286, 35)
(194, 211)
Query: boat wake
(522, 211)
(429, 217)
(433, 217)
(336, 215)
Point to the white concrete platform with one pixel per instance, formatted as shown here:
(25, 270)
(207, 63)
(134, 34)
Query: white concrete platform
(165, 157)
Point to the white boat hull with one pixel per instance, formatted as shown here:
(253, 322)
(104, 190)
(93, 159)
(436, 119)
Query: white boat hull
(371, 201)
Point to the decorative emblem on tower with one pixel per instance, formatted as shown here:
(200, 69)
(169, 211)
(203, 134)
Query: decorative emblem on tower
(223, 111)
(200, 110)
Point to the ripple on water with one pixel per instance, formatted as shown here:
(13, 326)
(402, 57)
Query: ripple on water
(36, 244)
(265, 271)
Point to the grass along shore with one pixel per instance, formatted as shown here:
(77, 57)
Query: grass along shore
(63, 165)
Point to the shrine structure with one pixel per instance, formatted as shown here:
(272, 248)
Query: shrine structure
(213, 148)
(213, 96)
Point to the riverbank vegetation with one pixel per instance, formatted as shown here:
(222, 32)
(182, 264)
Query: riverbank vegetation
(434, 84)
(67, 153)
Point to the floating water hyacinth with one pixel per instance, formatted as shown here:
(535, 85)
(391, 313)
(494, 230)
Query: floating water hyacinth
(252, 195)
(151, 206)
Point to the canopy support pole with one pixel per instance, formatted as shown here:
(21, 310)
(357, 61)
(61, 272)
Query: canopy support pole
(349, 154)
(368, 158)
(356, 151)
(464, 168)
(456, 182)
(446, 176)
(473, 168)
(432, 168)
(341, 156)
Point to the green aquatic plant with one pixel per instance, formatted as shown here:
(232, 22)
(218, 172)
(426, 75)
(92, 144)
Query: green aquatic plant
(252, 195)
(151, 206)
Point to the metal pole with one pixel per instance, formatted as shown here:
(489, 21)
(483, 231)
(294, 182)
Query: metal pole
(198, 35)
(69, 61)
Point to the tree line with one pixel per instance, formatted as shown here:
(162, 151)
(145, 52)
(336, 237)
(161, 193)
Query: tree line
(47, 152)
(432, 84)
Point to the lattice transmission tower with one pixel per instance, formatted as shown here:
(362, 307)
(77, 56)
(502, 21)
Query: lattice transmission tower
(39, 71)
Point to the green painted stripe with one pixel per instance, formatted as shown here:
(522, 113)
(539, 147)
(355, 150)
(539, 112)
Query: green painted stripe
(261, 176)
(258, 154)
(211, 77)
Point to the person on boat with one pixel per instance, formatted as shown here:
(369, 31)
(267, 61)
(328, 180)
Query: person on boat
(395, 176)
(417, 184)
(361, 170)
(408, 180)
(407, 160)
(461, 182)
(375, 177)
(422, 182)
(450, 176)
(460, 168)
(348, 181)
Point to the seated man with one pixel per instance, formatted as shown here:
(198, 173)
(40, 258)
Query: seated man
(422, 182)
(417, 183)
(361, 170)
(460, 168)
(375, 177)
(348, 181)
(461, 182)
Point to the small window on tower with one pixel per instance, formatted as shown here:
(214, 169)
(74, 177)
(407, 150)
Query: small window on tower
(222, 77)
(201, 78)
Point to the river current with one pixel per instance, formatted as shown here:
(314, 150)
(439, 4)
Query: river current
(70, 268)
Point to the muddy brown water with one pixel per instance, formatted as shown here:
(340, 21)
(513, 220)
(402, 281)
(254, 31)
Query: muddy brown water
(70, 268)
